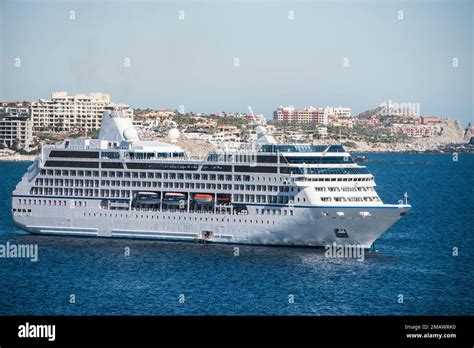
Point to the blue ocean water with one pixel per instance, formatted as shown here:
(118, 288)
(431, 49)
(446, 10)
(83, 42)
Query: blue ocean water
(413, 259)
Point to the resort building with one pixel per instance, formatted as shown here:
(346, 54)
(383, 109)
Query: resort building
(414, 131)
(429, 120)
(66, 113)
(337, 112)
(306, 115)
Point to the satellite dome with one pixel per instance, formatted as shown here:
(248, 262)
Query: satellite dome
(130, 134)
(174, 135)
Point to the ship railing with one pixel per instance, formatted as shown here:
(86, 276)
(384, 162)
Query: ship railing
(184, 159)
(53, 146)
(73, 147)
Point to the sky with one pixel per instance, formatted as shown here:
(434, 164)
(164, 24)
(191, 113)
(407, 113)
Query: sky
(214, 56)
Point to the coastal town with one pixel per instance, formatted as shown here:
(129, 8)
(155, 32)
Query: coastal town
(388, 127)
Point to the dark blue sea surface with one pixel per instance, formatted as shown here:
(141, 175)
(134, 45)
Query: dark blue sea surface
(413, 259)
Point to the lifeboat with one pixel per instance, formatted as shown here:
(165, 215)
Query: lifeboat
(203, 198)
(223, 200)
(174, 198)
(147, 198)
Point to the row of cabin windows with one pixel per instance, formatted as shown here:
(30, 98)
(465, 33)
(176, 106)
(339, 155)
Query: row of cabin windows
(79, 192)
(350, 199)
(187, 185)
(55, 202)
(257, 188)
(267, 199)
(22, 210)
(84, 192)
(150, 155)
(284, 212)
(182, 176)
(156, 175)
(126, 194)
(67, 182)
(345, 189)
(66, 172)
(335, 179)
(95, 183)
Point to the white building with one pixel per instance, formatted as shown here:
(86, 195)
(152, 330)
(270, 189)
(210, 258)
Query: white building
(337, 112)
(311, 114)
(322, 131)
(16, 128)
(64, 112)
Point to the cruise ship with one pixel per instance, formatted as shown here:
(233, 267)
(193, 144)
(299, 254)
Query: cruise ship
(274, 194)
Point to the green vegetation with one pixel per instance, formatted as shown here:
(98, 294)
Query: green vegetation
(349, 144)
(189, 120)
(358, 132)
(293, 126)
(50, 136)
(377, 135)
(138, 111)
(93, 134)
(22, 151)
(230, 121)
(183, 120)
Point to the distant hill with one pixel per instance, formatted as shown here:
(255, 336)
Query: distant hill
(370, 113)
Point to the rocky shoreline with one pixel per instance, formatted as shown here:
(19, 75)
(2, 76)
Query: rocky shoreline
(404, 148)
(18, 158)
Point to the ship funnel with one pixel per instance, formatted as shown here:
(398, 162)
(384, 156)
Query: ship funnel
(117, 126)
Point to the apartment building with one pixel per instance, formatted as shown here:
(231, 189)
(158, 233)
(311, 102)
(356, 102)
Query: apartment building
(306, 115)
(16, 127)
(67, 113)
(337, 112)
(414, 131)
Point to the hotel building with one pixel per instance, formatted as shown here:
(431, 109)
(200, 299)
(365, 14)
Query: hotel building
(306, 115)
(66, 113)
(337, 112)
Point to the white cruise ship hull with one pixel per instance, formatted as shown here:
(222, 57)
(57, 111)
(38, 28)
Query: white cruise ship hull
(309, 226)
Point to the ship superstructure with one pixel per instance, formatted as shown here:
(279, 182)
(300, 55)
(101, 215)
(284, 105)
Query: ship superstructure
(278, 194)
